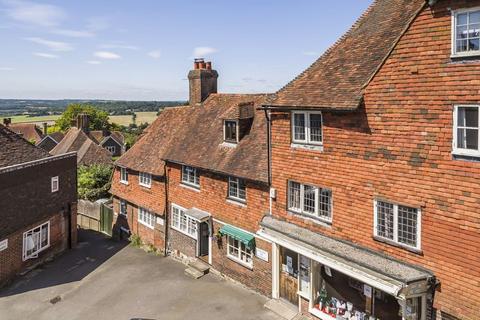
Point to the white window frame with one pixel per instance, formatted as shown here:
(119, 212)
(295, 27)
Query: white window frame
(454, 52)
(123, 175)
(145, 179)
(238, 257)
(300, 210)
(36, 237)
(111, 149)
(176, 223)
(395, 225)
(225, 131)
(463, 151)
(237, 197)
(195, 175)
(307, 128)
(146, 217)
(55, 184)
(122, 204)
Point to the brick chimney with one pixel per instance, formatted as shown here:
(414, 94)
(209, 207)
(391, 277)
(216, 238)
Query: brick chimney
(7, 121)
(202, 80)
(45, 128)
(83, 122)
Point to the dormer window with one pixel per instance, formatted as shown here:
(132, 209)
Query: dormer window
(466, 32)
(230, 131)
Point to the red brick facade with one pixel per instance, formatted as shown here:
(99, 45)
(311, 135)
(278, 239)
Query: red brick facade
(398, 146)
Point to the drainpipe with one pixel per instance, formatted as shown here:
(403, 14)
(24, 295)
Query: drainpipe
(69, 223)
(166, 172)
(269, 164)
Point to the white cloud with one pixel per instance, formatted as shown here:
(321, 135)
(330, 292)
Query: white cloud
(52, 45)
(200, 52)
(94, 62)
(98, 23)
(74, 33)
(155, 54)
(118, 46)
(6, 69)
(44, 15)
(45, 55)
(310, 53)
(106, 55)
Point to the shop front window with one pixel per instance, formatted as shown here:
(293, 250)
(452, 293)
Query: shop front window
(304, 276)
(338, 296)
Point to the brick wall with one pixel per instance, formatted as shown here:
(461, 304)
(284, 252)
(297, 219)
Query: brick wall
(398, 147)
(11, 259)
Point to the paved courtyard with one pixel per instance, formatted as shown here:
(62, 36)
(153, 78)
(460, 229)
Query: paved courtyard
(104, 279)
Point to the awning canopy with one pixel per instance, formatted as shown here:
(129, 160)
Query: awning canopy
(197, 214)
(378, 270)
(242, 236)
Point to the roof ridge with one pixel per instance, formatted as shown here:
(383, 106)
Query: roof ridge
(355, 25)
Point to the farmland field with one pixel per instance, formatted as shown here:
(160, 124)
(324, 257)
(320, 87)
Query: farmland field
(121, 120)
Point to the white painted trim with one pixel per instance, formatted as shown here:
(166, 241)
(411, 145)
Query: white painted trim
(462, 151)
(454, 53)
(307, 141)
(143, 222)
(35, 254)
(236, 129)
(53, 181)
(148, 177)
(185, 232)
(43, 139)
(275, 271)
(392, 288)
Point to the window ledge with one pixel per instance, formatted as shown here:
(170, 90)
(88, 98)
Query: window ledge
(124, 182)
(319, 221)
(465, 55)
(240, 262)
(312, 147)
(466, 153)
(145, 185)
(190, 186)
(238, 202)
(398, 245)
(228, 144)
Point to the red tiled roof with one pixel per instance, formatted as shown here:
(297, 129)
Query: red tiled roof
(29, 131)
(337, 79)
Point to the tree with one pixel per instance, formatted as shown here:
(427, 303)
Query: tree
(94, 181)
(98, 118)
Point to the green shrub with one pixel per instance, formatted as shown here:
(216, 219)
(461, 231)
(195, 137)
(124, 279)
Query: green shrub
(135, 240)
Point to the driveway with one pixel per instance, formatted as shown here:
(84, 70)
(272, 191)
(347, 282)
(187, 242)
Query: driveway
(104, 279)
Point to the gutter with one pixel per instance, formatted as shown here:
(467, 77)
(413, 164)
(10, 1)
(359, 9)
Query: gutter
(306, 108)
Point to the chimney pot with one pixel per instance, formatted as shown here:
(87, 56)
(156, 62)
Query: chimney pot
(209, 65)
(202, 65)
(45, 128)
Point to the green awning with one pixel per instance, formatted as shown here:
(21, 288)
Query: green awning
(242, 236)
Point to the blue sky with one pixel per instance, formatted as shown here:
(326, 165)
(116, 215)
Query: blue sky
(143, 50)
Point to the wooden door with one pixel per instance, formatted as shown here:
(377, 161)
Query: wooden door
(289, 275)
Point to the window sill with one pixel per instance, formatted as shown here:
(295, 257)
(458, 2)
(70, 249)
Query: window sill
(145, 186)
(398, 245)
(466, 153)
(304, 146)
(240, 262)
(146, 225)
(190, 186)
(465, 55)
(229, 144)
(317, 220)
(238, 202)
(124, 182)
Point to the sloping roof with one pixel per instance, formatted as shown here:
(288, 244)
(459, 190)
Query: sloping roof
(88, 152)
(146, 154)
(15, 150)
(99, 136)
(57, 136)
(29, 131)
(194, 136)
(199, 143)
(337, 79)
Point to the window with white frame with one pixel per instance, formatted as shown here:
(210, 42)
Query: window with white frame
(466, 130)
(307, 127)
(398, 223)
(146, 218)
(111, 149)
(123, 207)
(36, 240)
(230, 131)
(124, 175)
(466, 32)
(54, 184)
(145, 179)
(190, 176)
(237, 189)
(310, 200)
(238, 251)
(183, 223)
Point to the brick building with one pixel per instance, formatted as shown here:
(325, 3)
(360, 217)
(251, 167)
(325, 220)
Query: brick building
(38, 204)
(198, 177)
(374, 160)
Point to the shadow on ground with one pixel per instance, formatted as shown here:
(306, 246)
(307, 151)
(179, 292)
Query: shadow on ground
(93, 249)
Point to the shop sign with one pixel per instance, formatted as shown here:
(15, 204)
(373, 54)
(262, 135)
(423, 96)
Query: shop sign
(367, 291)
(3, 244)
(289, 264)
(261, 254)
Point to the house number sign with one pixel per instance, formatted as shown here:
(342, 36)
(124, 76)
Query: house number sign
(3, 244)
(261, 254)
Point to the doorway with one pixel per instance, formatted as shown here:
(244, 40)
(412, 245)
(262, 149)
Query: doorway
(203, 239)
(289, 276)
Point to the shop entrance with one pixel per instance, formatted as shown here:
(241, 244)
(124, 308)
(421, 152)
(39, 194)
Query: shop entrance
(289, 275)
